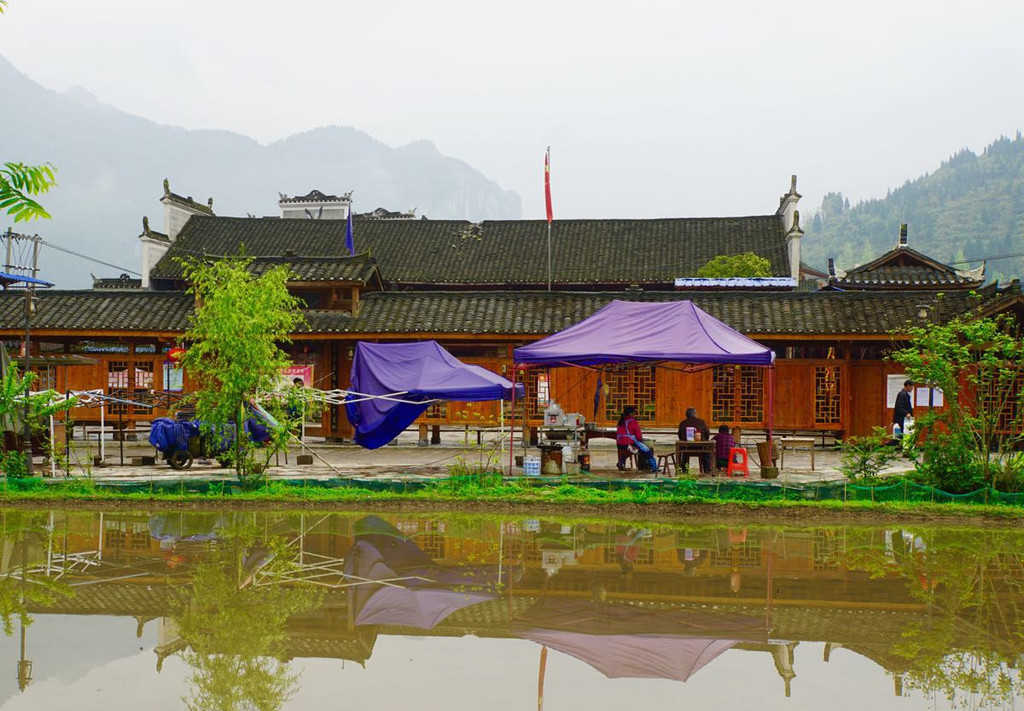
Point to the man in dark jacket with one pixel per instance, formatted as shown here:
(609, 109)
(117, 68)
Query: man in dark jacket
(705, 434)
(903, 408)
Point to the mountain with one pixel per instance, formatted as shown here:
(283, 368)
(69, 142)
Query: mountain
(111, 167)
(972, 207)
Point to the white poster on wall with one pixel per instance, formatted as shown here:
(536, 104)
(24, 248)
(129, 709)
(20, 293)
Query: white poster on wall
(924, 399)
(893, 385)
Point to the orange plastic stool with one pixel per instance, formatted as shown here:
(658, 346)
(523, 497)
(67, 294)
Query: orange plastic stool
(738, 462)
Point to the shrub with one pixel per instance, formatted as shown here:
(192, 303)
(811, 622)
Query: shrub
(865, 457)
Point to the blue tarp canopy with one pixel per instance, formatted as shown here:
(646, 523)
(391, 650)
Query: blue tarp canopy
(394, 383)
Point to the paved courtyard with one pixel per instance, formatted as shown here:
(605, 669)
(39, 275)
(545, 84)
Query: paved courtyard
(406, 460)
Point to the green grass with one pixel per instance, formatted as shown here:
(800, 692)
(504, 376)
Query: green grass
(481, 489)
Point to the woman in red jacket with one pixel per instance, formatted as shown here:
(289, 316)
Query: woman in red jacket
(628, 433)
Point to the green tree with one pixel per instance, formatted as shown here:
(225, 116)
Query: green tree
(41, 406)
(17, 182)
(978, 363)
(235, 629)
(233, 351)
(747, 264)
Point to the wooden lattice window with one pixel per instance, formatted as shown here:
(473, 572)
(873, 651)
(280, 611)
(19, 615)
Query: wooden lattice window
(143, 384)
(737, 393)
(633, 386)
(739, 555)
(616, 553)
(437, 411)
(537, 384)
(46, 379)
(828, 389)
(1003, 400)
(432, 544)
(723, 393)
(828, 547)
(128, 538)
(117, 385)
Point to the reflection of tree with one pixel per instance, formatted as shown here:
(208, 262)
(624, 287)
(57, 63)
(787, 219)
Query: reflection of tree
(235, 630)
(970, 583)
(24, 539)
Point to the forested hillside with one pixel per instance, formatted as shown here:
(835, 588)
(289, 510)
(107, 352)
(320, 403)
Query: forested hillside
(972, 207)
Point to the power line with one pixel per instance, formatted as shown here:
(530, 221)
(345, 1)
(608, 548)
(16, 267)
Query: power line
(87, 257)
(989, 259)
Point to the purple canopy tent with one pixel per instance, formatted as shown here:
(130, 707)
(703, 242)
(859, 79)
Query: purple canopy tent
(638, 332)
(394, 383)
(629, 641)
(399, 584)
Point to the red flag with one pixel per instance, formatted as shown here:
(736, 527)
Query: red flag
(547, 184)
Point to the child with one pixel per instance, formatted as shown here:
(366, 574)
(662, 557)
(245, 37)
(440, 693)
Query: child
(723, 443)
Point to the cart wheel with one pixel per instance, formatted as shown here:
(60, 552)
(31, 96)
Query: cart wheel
(180, 459)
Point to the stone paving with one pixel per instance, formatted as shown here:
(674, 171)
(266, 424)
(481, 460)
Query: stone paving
(406, 461)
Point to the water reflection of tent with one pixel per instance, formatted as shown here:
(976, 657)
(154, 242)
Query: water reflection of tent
(185, 527)
(399, 584)
(626, 641)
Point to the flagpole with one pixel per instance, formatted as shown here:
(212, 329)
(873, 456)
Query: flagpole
(549, 256)
(547, 205)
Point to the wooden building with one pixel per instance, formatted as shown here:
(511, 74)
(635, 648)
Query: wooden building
(482, 290)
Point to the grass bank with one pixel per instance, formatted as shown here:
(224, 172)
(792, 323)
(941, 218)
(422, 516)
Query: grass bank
(651, 499)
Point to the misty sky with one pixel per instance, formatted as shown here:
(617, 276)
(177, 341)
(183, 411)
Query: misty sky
(651, 109)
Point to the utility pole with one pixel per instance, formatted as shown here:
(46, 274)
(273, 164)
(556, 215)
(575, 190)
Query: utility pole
(30, 306)
(21, 266)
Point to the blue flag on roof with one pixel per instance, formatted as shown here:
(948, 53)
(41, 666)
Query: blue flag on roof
(350, 239)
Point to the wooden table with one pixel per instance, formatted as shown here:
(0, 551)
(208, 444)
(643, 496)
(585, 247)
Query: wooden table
(685, 450)
(795, 443)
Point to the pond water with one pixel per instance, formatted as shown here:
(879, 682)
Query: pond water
(289, 610)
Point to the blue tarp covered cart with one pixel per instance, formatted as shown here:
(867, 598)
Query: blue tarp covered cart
(181, 441)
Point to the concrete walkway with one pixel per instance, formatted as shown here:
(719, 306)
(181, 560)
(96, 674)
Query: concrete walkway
(405, 461)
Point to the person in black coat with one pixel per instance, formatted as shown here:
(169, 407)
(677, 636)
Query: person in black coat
(903, 408)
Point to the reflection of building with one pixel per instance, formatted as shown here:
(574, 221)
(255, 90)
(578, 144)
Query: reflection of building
(834, 585)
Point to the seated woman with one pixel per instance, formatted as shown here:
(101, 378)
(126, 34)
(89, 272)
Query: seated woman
(724, 442)
(627, 434)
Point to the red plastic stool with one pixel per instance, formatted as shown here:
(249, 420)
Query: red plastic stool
(738, 462)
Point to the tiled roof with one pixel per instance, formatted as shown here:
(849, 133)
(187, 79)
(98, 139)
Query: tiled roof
(537, 313)
(189, 203)
(262, 238)
(905, 267)
(116, 283)
(127, 310)
(496, 312)
(690, 283)
(359, 269)
(314, 196)
(499, 253)
(156, 236)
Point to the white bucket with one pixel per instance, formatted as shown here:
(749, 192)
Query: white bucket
(531, 466)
